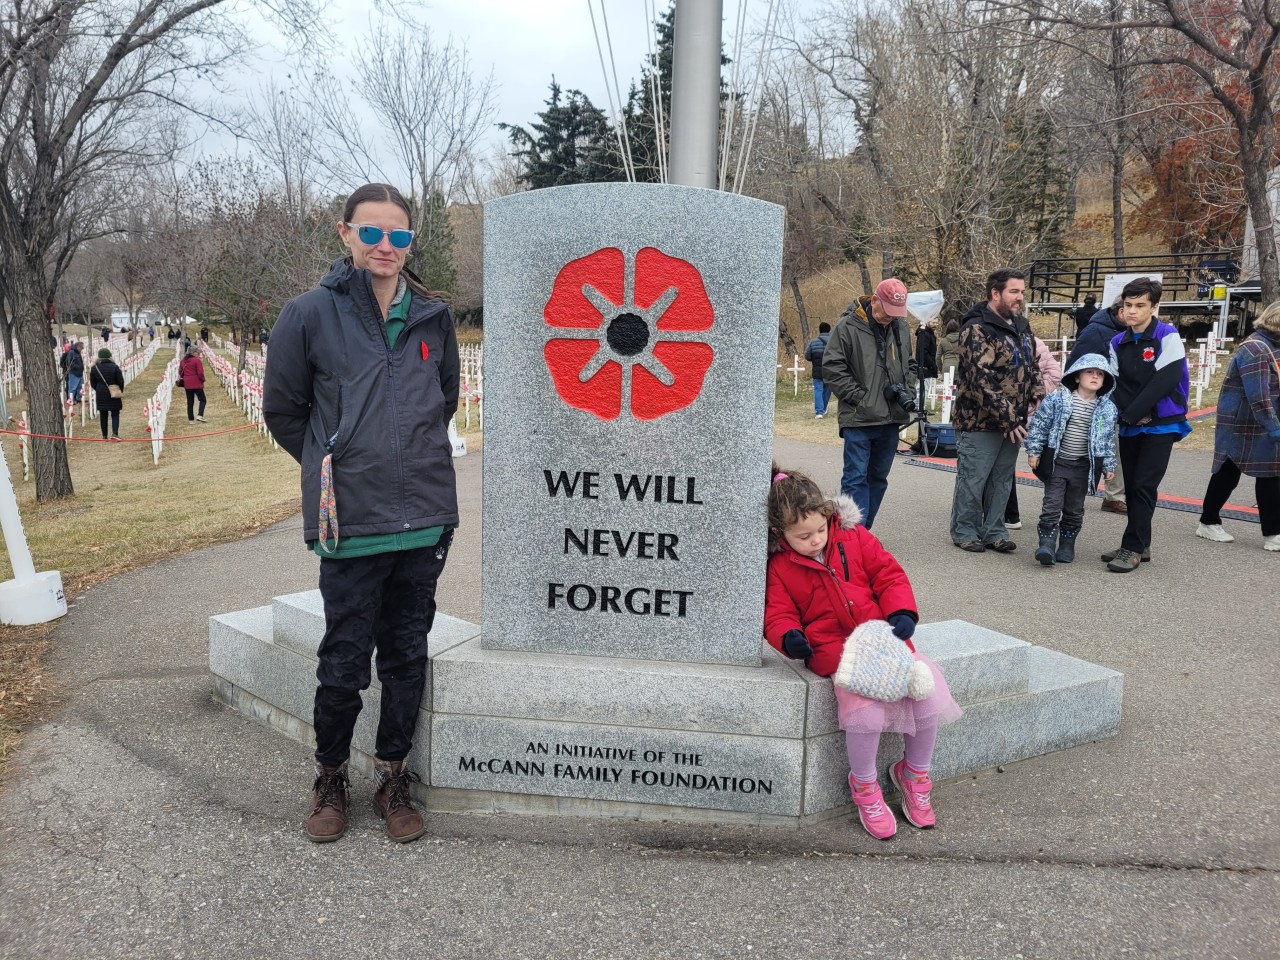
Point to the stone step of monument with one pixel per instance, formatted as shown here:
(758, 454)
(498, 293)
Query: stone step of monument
(766, 736)
(242, 652)
(767, 700)
(979, 664)
(1068, 702)
(299, 625)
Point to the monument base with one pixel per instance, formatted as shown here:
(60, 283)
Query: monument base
(521, 733)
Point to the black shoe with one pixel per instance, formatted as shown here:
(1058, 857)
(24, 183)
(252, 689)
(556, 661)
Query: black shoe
(973, 546)
(1001, 546)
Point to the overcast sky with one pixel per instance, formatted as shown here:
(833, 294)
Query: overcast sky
(526, 42)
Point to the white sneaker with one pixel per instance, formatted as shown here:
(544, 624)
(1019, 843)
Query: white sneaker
(817, 416)
(1214, 532)
(1272, 542)
(1015, 525)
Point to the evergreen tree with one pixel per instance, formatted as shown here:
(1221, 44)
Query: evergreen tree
(641, 111)
(433, 246)
(571, 142)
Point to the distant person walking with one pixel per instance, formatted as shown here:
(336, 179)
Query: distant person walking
(1247, 437)
(204, 334)
(107, 382)
(813, 353)
(1152, 383)
(362, 382)
(75, 370)
(191, 376)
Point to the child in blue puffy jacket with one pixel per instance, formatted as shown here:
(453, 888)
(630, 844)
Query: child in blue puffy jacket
(1071, 444)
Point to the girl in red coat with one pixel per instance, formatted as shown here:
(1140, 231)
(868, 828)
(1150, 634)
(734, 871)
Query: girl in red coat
(827, 574)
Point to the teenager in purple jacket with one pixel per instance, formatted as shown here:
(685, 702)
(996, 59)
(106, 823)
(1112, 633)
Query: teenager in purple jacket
(1152, 384)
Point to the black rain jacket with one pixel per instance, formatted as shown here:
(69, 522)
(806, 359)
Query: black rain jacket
(334, 385)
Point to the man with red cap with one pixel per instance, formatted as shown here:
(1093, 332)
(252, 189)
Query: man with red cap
(869, 367)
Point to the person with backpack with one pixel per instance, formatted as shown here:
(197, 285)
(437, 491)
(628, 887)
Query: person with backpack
(813, 353)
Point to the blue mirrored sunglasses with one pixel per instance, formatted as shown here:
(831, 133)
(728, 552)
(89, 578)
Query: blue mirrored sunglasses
(372, 236)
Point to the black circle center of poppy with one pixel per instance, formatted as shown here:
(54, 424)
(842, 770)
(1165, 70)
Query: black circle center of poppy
(628, 334)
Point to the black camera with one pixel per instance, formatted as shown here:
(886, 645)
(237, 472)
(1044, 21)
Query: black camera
(897, 393)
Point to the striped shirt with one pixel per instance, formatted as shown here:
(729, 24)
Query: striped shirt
(1075, 438)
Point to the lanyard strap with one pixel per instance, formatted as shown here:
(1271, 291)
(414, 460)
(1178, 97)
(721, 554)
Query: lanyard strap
(328, 506)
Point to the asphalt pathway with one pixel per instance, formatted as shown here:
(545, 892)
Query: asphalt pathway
(144, 819)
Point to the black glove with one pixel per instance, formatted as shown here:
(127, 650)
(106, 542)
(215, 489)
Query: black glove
(796, 645)
(904, 625)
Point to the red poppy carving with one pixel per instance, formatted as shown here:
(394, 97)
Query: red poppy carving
(632, 345)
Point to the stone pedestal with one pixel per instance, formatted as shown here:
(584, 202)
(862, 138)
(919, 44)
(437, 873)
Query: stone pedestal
(518, 732)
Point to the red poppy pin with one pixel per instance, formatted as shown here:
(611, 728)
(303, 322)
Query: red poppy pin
(1148, 354)
(425, 352)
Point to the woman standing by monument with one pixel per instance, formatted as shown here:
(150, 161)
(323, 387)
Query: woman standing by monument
(360, 386)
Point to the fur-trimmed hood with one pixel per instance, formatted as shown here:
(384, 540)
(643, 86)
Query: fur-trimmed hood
(847, 516)
(848, 512)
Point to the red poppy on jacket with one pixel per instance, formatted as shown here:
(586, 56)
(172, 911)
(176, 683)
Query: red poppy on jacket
(1148, 354)
(856, 581)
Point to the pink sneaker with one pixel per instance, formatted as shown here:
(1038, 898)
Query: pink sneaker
(875, 816)
(914, 791)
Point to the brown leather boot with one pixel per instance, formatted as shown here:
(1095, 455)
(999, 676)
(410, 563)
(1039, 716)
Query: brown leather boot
(404, 822)
(327, 819)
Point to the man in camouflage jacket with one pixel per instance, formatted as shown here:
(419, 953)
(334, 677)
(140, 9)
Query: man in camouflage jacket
(998, 383)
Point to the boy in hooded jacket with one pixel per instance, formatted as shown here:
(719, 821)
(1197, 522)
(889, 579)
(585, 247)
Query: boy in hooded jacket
(1070, 443)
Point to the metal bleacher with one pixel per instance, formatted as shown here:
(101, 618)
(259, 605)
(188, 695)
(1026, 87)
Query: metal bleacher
(1189, 279)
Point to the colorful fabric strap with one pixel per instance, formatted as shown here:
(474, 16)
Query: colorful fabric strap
(328, 506)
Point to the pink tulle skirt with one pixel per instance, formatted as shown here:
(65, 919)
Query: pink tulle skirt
(859, 714)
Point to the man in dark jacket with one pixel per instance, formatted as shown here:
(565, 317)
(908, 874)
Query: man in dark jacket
(869, 367)
(997, 385)
(360, 386)
(1096, 338)
(1083, 314)
(813, 353)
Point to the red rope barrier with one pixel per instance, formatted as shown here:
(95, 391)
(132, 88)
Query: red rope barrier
(189, 436)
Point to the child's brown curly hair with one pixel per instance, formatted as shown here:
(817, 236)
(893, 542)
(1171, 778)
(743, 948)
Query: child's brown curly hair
(792, 497)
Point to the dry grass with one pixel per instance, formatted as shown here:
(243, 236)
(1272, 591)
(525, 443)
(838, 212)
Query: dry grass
(129, 513)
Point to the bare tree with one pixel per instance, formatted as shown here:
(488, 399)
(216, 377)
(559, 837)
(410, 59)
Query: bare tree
(84, 89)
(958, 163)
(426, 112)
(1229, 47)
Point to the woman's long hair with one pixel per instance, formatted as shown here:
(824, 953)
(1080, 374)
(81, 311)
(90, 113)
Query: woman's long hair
(386, 193)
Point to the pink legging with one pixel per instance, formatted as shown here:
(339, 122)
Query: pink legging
(862, 748)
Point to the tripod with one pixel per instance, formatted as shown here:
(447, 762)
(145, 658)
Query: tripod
(921, 421)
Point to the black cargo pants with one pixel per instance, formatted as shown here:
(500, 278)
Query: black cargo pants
(384, 603)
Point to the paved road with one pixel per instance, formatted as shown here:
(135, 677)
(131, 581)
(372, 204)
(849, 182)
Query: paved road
(144, 819)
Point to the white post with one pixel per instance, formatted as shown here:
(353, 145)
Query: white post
(29, 597)
(948, 393)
